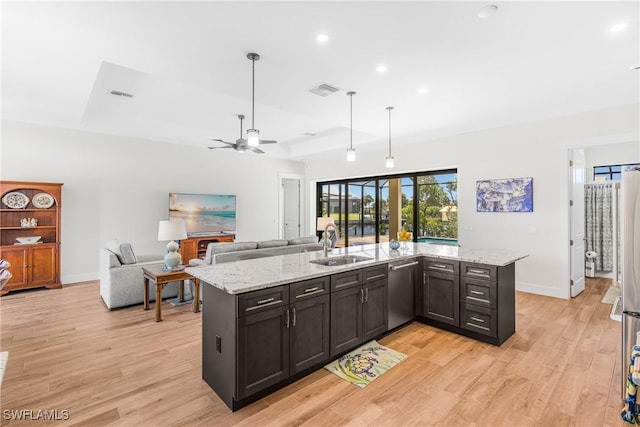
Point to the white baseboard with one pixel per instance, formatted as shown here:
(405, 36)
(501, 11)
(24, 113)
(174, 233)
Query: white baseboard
(76, 278)
(549, 291)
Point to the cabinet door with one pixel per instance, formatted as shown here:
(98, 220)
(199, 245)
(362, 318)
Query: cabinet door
(309, 332)
(188, 250)
(42, 265)
(262, 350)
(346, 319)
(374, 309)
(441, 293)
(18, 258)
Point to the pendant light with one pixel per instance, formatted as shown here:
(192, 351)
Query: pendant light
(351, 153)
(389, 162)
(253, 134)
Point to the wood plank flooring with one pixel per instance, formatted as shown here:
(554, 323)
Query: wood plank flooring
(121, 368)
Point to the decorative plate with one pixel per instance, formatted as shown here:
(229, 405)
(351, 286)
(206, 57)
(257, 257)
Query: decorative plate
(42, 200)
(15, 200)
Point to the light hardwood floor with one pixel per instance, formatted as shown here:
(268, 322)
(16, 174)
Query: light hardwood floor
(67, 352)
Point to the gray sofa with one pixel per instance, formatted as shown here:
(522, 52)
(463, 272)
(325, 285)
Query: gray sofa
(121, 282)
(227, 252)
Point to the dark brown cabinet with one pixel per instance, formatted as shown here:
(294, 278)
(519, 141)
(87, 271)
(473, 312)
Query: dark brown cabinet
(309, 333)
(263, 350)
(441, 291)
(487, 305)
(359, 312)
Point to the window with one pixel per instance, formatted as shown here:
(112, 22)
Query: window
(374, 209)
(611, 172)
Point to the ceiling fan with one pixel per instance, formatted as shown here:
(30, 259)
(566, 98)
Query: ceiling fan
(241, 145)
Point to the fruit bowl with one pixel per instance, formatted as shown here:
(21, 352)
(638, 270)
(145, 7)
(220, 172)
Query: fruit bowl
(28, 240)
(405, 236)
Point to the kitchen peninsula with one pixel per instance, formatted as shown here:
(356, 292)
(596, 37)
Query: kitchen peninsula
(269, 321)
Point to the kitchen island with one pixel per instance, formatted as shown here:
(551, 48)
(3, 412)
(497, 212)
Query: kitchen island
(269, 321)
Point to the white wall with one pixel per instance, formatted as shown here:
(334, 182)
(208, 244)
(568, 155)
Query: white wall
(118, 187)
(538, 150)
(603, 155)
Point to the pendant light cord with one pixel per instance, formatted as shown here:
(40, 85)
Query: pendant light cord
(351, 121)
(253, 92)
(389, 108)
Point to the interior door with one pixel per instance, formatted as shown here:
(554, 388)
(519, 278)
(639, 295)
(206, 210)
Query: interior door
(291, 199)
(576, 212)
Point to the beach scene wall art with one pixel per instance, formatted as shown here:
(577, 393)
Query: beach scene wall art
(505, 195)
(204, 213)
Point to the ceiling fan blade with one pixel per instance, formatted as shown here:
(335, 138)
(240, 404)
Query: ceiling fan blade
(267, 141)
(255, 150)
(227, 146)
(220, 140)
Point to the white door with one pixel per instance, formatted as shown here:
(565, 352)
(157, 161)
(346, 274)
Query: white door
(576, 211)
(291, 208)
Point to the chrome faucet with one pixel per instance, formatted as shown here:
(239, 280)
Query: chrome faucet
(326, 245)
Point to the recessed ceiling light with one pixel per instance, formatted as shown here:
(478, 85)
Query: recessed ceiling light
(487, 11)
(381, 68)
(423, 90)
(322, 38)
(618, 27)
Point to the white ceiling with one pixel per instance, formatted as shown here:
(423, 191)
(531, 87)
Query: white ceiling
(186, 65)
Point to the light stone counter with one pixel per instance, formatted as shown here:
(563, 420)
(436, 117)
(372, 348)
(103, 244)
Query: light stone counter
(253, 274)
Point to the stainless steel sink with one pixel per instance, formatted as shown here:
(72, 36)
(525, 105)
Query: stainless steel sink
(340, 260)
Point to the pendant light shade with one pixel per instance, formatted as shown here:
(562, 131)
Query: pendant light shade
(351, 153)
(389, 163)
(253, 137)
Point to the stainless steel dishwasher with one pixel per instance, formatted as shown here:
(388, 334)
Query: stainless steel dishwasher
(402, 282)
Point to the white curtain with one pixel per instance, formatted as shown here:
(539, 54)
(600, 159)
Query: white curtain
(598, 205)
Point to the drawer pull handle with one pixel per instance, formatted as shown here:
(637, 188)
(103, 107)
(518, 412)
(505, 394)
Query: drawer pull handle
(315, 288)
(476, 319)
(484, 301)
(268, 303)
(264, 301)
(479, 327)
(482, 273)
(440, 267)
(398, 267)
(477, 293)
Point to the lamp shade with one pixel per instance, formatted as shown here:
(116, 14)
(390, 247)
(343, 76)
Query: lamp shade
(323, 221)
(172, 230)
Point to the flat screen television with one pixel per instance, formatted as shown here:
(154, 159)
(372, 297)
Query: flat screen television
(204, 214)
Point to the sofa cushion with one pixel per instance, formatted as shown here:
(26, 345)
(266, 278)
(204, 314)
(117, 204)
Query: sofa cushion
(303, 240)
(272, 243)
(218, 248)
(123, 251)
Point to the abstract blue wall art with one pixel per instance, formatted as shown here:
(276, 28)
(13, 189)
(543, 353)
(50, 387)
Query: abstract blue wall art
(504, 195)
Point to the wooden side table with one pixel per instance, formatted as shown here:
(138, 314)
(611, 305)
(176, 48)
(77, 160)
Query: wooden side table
(157, 275)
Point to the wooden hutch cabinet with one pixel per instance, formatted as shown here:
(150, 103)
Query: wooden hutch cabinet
(30, 209)
(196, 247)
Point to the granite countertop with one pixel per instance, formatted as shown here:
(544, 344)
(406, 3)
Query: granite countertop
(253, 274)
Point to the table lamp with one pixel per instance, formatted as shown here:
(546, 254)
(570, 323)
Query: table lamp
(172, 230)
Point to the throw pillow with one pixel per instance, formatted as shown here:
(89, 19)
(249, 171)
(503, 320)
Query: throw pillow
(122, 250)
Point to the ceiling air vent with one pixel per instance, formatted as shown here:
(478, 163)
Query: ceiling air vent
(324, 90)
(120, 93)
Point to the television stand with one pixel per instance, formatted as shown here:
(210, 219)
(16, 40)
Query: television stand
(196, 246)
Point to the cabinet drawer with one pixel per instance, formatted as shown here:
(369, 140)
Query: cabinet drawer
(482, 271)
(264, 299)
(346, 280)
(479, 292)
(443, 265)
(377, 272)
(479, 319)
(309, 288)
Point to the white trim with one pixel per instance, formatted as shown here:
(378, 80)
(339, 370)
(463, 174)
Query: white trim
(77, 278)
(549, 291)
